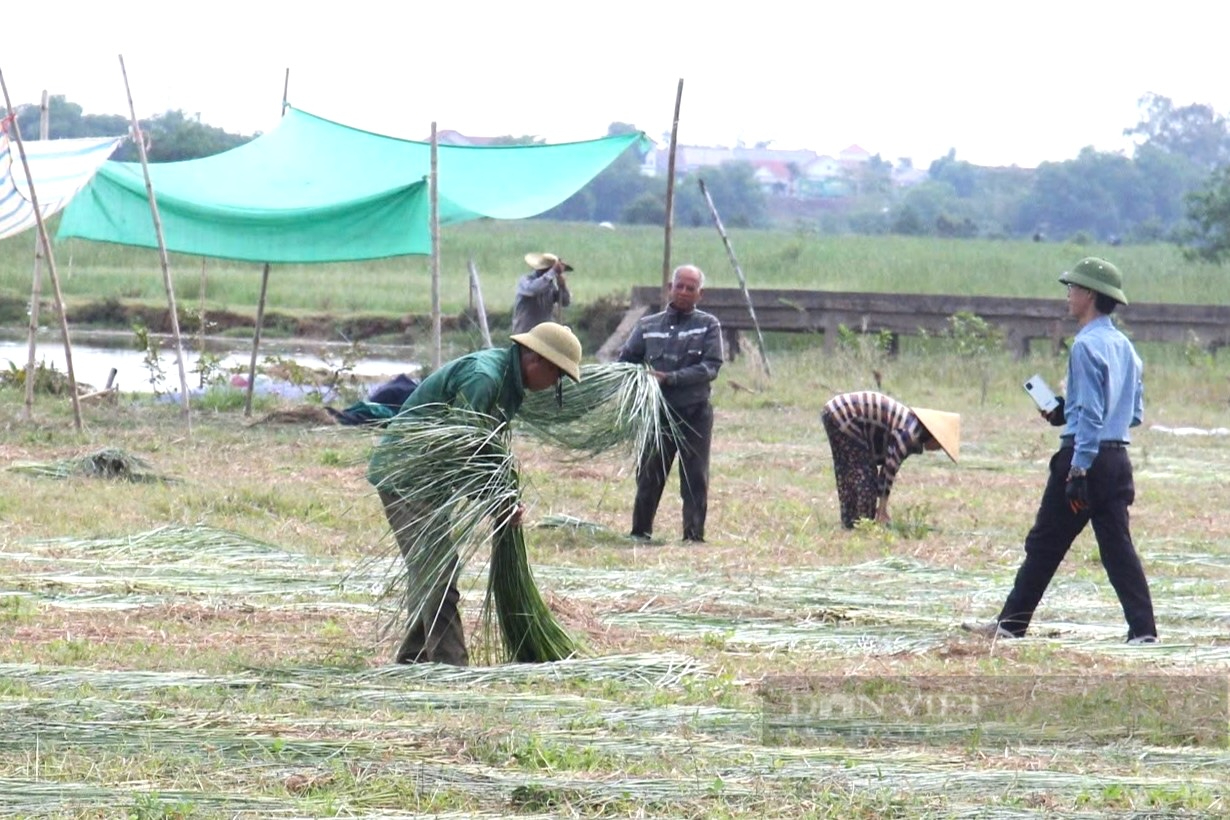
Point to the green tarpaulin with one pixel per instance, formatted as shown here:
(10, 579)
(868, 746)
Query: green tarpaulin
(312, 190)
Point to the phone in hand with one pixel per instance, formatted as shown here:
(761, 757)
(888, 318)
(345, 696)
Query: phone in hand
(1041, 393)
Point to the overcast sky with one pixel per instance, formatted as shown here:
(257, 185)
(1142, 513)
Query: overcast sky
(1003, 83)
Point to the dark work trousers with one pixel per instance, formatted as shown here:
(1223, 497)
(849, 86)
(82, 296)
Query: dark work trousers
(858, 477)
(434, 632)
(1111, 492)
(695, 430)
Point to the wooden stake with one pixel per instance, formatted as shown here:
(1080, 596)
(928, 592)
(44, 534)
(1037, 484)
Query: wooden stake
(670, 200)
(36, 290)
(747, 297)
(480, 308)
(433, 195)
(51, 261)
(163, 259)
(256, 341)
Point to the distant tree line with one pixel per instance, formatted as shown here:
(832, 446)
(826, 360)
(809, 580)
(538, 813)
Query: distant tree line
(170, 137)
(1175, 186)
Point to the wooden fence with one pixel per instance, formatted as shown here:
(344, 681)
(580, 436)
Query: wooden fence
(1020, 320)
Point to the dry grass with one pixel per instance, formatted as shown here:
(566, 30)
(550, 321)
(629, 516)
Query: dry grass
(252, 682)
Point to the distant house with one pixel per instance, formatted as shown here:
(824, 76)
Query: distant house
(799, 173)
(774, 177)
(853, 156)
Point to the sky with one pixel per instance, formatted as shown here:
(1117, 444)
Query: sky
(1004, 83)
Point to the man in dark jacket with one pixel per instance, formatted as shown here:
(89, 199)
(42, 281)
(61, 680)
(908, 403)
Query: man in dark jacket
(683, 348)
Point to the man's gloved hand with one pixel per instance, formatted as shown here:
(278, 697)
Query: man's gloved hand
(1055, 417)
(1077, 491)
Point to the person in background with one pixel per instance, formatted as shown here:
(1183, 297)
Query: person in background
(1090, 478)
(492, 382)
(540, 290)
(870, 435)
(682, 346)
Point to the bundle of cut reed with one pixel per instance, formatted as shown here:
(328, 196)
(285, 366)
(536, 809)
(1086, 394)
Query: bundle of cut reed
(454, 474)
(616, 406)
(109, 462)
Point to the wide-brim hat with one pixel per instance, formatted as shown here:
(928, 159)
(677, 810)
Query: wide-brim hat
(1098, 275)
(542, 261)
(557, 344)
(943, 427)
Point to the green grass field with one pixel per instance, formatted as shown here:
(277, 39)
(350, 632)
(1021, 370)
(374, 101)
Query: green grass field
(609, 263)
(212, 644)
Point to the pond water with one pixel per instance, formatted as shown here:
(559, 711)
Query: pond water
(92, 362)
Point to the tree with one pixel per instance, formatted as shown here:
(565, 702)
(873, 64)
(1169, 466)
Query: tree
(1196, 132)
(606, 197)
(735, 193)
(175, 137)
(922, 205)
(1208, 235)
(65, 120)
(171, 137)
(962, 176)
(1103, 194)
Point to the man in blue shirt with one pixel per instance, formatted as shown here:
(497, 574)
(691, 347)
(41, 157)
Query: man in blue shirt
(1091, 475)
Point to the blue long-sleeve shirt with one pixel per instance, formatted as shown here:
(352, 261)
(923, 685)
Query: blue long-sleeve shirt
(1105, 392)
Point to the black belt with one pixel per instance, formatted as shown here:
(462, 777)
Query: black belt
(1067, 441)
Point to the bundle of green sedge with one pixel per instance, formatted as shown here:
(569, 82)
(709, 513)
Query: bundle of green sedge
(615, 406)
(457, 478)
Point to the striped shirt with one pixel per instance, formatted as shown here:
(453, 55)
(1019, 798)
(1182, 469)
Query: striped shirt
(887, 428)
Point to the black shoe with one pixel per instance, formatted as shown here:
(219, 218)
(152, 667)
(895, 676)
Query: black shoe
(688, 540)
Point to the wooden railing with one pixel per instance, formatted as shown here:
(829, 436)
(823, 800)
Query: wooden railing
(1021, 320)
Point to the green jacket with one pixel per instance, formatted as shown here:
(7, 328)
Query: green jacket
(486, 381)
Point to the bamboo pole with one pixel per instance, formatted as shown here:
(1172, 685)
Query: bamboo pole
(670, 200)
(163, 259)
(260, 305)
(201, 325)
(36, 289)
(747, 297)
(433, 195)
(476, 290)
(51, 261)
(256, 342)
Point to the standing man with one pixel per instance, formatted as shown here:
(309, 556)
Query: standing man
(540, 290)
(492, 382)
(1091, 475)
(870, 435)
(683, 348)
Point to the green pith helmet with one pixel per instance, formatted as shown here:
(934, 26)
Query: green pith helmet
(555, 343)
(1097, 274)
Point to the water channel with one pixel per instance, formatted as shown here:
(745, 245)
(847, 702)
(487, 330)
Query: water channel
(96, 353)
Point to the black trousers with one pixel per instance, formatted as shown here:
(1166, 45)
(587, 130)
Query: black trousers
(434, 632)
(1111, 492)
(858, 475)
(695, 428)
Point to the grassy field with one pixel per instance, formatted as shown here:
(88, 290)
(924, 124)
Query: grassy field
(211, 646)
(609, 263)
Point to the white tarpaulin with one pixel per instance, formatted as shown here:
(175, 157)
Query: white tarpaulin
(60, 169)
